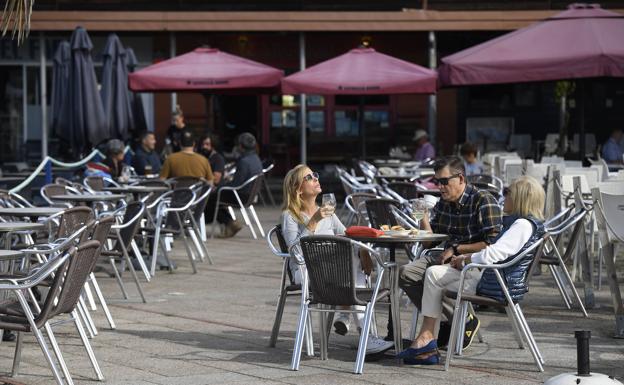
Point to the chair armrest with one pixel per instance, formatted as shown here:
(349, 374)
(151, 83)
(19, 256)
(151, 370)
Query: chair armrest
(36, 277)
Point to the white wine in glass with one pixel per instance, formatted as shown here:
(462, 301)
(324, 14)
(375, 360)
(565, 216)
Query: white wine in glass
(419, 207)
(329, 201)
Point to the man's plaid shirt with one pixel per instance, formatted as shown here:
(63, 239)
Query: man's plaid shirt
(475, 217)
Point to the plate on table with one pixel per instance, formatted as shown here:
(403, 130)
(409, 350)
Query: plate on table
(397, 233)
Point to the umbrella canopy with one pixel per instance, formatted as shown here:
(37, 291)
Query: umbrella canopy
(60, 79)
(362, 71)
(583, 41)
(205, 69)
(136, 102)
(86, 120)
(114, 91)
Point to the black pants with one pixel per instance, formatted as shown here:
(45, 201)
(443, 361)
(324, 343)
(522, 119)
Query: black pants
(227, 198)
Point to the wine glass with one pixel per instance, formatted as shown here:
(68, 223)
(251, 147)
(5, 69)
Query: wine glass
(419, 207)
(329, 202)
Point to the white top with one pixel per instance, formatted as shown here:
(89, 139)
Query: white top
(292, 230)
(507, 245)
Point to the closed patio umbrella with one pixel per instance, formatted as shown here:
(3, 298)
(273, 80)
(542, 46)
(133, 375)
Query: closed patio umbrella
(87, 122)
(362, 71)
(60, 79)
(114, 91)
(584, 41)
(139, 123)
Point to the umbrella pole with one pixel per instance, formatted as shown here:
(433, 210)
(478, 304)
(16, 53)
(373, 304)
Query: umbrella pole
(582, 120)
(362, 126)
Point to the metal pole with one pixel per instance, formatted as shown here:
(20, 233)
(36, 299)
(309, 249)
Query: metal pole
(172, 53)
(303, 107)
(44, 97)
(432, 111)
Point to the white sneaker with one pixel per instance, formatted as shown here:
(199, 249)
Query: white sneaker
(377, 345)
(341, 324)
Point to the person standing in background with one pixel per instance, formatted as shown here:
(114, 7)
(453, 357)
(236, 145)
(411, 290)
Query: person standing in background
(174, 134)
(468, 151)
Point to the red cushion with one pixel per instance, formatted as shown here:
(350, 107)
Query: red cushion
(363, 231)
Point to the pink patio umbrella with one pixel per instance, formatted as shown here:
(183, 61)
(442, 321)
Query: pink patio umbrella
(206, 70)
(584, 41)
(362, 71)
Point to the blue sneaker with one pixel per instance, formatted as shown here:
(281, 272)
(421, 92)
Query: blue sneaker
(411, 352)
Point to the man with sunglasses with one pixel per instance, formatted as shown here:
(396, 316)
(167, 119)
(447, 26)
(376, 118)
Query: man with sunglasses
(470, 217)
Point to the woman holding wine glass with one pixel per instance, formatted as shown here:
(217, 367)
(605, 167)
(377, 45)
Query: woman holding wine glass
(302, 216)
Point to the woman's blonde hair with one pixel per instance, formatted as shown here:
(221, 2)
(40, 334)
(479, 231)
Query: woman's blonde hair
(527, 197)
(292, 199)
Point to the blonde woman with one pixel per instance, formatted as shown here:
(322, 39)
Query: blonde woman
(524, 204)
(301, 216)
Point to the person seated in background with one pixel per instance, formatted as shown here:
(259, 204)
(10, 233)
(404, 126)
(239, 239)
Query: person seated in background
(301, 216)
(146, 161)
(114, 157)
(207, 147)
(522, 226)
(424, 149)
(186, 162)
(613, 151)
(247, 165)
(473, 166)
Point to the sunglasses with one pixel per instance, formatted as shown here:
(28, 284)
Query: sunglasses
(311, 177)
(444, 181)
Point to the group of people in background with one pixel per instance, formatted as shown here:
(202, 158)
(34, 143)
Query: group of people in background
(187, 155)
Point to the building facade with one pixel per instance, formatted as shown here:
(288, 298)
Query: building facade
(282, 34)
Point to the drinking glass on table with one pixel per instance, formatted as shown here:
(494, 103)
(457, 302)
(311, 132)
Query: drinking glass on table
(419, 207)
(329, 203)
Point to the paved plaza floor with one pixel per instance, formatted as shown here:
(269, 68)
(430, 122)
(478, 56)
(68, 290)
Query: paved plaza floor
(213, 327)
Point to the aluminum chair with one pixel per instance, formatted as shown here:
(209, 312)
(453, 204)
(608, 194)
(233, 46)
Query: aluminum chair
(328, 281)
(194, 217)
(24, 314)
(288, 286)
(180, 182)
(610, 220)
(513, 310)
(168, 221)
(97, 183)
(50, 190)
(254, 184)
(265, 184)
(123, 235)
(356, 208)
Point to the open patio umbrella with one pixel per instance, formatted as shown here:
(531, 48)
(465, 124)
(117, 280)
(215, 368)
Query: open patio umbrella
(206, 70)
(136, 102)
(60, 79)
(362, 71)
(584, 41)
(86, 120)
(114, 91)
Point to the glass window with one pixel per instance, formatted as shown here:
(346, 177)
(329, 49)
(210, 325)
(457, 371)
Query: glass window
(346, 123)
(316, 121)
(295, 100)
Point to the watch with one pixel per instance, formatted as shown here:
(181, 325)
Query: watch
(455, 246)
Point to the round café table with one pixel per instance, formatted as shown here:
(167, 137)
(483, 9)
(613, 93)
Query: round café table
(88, 198)
(10, 227)
(390, 243)
(31, 212)
(137, 190)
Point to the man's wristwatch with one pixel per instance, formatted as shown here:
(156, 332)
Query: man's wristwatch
(455, 246)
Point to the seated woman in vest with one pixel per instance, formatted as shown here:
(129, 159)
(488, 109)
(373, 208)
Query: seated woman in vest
(302, 217)
(521, 227)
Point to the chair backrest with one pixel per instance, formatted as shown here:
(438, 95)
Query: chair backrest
(253, 190)
(405, 189)
(201, 200)
(356, 204)
(132, 220)
(184, 181)
(73, 219)
(379, 212)
(329, 263)
(95, 183)
(281, 248)
(609, 216)
(49, 190)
